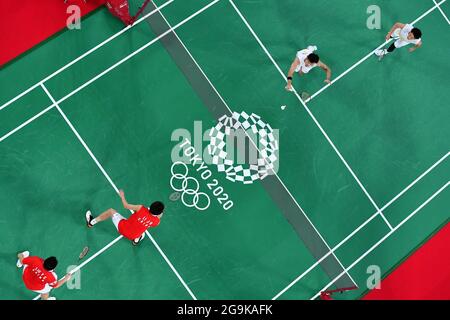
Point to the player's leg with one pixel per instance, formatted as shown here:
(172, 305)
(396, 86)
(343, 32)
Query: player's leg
(45, 293)
(116, 218)
(46, 296)
(91, 221)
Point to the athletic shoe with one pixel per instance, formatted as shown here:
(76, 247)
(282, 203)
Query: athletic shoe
(51, 298)
(138, 240)
(380, 53)
(89, 218)
(25, 254)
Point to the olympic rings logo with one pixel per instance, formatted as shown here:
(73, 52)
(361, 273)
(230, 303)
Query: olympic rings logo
(189, 193)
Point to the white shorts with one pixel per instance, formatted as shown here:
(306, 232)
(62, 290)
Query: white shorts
(116, 218)
(46, 289)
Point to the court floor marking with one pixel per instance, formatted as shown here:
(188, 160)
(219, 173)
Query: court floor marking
(66, 119)
(384, 238)
(90, 258)
(311, 115)
(253, 143)
(301, 276)
(369, 55)
(442, 11)
(24, 124)
(126, 58)
(84, 55)
(64, 99)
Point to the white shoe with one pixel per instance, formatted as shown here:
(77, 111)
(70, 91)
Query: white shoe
(51, 298)
(25, 254)
(138, 240)
(89, 218)
(381, 53)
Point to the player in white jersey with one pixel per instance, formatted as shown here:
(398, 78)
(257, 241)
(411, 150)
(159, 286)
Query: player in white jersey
(306, 60)
(404, 34)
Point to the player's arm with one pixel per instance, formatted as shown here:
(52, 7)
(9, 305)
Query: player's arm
(394, 27)
(59, 283)
(294, 66)
(417, 46)
(126, 205)
(327, 69)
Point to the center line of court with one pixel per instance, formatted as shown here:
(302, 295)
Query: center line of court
(311, 115)
(112, 183)
(254, 145)
(440, 9)
(389, 203)
(90, 258)
(383, 239)
(370, 54)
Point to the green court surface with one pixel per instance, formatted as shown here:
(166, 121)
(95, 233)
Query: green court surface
(364, 164)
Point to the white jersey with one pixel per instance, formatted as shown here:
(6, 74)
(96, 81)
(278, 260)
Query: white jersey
(402, 36)
(302, 55)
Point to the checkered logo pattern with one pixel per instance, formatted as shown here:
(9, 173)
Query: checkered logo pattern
(267, 146)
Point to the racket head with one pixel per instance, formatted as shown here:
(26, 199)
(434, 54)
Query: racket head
(175, 196)
(305, 95)
(83, 253)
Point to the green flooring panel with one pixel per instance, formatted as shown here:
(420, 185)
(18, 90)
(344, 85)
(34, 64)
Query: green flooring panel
(48, 181)
(387, 119)
(223, 254)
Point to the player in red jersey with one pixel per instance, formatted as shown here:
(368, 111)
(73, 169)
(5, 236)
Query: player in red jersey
(38, 274)
(135, 226)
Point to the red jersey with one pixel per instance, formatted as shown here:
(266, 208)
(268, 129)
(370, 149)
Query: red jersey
(35, 276)
(133, 227)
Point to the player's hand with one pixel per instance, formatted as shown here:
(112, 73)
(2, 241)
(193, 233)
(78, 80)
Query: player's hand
(121, 193)
(388, 36)
(327, 81)
(68, 276)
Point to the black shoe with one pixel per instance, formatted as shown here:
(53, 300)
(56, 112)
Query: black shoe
(136, 242)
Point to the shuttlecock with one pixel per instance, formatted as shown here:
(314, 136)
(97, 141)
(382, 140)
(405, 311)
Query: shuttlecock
(283, 107)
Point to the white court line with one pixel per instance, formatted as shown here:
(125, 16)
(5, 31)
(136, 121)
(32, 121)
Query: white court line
(83, 55)
(111, 182)
(170, 264)
(109, 69)
(370, 54)
(415, 181)
(442, 12)
(383, 239)
(253, 143)
(26, 123)
(91, 258)
(360, 227)
(311, 115)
